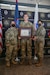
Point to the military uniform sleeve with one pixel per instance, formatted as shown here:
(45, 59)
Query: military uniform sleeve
(16, 32)
(21, 24)
(42, 34)
(7, 37)
(33, 30)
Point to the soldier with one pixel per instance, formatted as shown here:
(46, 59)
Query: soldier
(11, 44)
(25, 41)
(39, 41)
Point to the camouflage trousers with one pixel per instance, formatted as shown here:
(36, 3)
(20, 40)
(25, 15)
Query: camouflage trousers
(26, 43)
(11, 52)
(39, 46)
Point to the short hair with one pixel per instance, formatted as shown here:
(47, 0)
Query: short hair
(40, 20)
(26, 14)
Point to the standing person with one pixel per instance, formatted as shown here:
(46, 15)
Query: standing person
(26, 41)
(11, 44)
(39, 41)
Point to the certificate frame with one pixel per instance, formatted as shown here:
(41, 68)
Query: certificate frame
(25, 32)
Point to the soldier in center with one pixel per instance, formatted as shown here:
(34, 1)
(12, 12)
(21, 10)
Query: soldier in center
(26, 42)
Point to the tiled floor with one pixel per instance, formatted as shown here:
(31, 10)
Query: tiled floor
(25, 69)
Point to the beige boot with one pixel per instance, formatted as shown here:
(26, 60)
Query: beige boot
(8, 63)
(39, 63)
(22, 61)
(14, 62)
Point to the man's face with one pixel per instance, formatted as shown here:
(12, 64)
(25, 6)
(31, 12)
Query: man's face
(25, 17)
(39, 23)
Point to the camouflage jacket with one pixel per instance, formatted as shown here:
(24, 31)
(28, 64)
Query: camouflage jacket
(11, 36)
(40, 33)
(28, 24)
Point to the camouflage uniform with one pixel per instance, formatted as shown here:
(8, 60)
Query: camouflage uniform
(40, 41)
(25, 41)
(11, 43)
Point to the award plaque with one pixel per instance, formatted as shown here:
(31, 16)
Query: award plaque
(25, 32)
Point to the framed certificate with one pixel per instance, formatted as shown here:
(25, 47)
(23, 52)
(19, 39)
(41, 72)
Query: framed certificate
(25, 32)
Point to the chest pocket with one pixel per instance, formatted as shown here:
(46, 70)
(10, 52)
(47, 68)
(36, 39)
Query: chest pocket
(39, 31)
(12, 38)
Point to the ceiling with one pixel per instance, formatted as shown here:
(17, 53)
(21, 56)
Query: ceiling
(40, 2)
